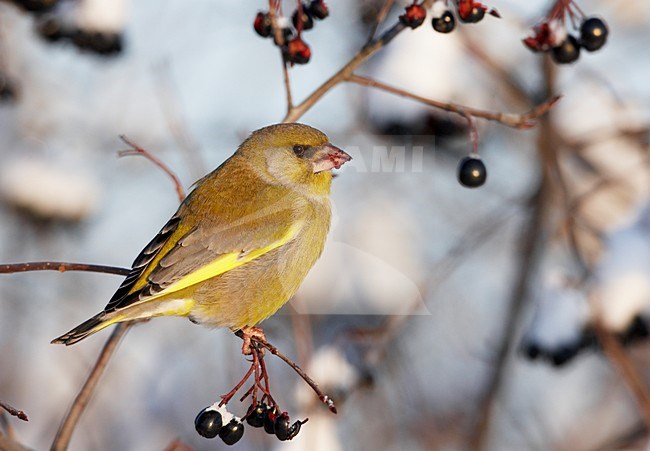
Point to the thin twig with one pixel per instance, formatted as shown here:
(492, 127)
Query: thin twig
(137, 150)
(287, 84)
(13, 411)
(11, 268)
(64, 434)
(526, 120)
(614, 351)
(325, 399)
(381, 16)
(278, 35)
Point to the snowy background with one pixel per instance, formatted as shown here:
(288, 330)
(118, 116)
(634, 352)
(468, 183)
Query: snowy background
(409, 248)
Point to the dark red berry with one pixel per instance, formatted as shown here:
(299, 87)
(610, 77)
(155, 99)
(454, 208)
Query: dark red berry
(414, 16)
(269, 420)
(318, 9)
(307, 21)
(232, 432)
(567, 52)
(255, 415)
(472, 15)
(445, 23)
(297, 51)
(208, 423)
(262, 24)
(593, 33)
(472, 172)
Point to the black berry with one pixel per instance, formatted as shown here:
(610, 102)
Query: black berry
(475, 14)
(232, 432)
(593, 33)
(208, 423)
(567, 52)
(414, 16)
(281, 426)
(445, 23)
(269, 420)
(255, 415)
(295, 428)
(262, 24)
(318, 9)
(307, 21)
(472, 172)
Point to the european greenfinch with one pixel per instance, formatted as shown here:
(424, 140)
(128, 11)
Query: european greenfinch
(241, 242)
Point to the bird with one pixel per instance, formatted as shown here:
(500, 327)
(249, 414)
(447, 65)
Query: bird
(240, 243)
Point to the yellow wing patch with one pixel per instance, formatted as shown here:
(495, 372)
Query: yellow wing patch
(226, 262)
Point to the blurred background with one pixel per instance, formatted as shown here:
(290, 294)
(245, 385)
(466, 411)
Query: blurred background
(439, 317)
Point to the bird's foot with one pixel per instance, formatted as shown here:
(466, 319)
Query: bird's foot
(252, 333)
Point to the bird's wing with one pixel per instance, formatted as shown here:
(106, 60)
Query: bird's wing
(208, 249)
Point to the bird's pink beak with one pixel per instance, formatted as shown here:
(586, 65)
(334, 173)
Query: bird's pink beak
(328, 157)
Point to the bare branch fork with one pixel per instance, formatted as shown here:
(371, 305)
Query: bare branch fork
(346, 74)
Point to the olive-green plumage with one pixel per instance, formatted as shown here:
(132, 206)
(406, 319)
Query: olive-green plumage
(242, 241)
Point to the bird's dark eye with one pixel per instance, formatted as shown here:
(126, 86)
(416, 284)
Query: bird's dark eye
(299, 150)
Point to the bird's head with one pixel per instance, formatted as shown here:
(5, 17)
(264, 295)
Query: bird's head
(295, 155)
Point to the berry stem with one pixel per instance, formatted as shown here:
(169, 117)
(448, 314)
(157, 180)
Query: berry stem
(225, 399)
(274, 9)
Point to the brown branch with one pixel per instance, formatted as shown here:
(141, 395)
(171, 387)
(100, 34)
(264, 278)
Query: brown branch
(64, 434)
(137, 150)
(11, 268)
(526, 120)
(13, 411)
(325, 399)
(616, 355)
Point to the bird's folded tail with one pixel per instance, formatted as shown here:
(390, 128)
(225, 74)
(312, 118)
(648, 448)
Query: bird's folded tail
(94, 324)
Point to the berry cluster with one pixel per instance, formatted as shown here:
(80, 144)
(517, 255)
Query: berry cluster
(102, 43)
(472, 172)
(294, 49)
(273, 421)
(551, 33)
(443, 19)
(216, 420)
